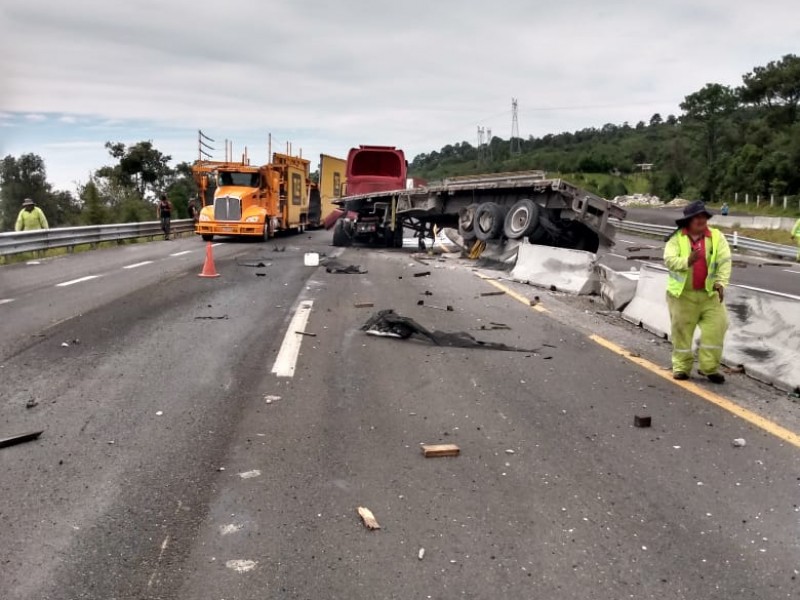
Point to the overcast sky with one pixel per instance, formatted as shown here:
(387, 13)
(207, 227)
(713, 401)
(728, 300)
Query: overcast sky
(328, 75)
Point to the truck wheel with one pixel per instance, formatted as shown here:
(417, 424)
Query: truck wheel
(396, 237)
(207, 237)
(522, 220)
(341, 235)
(466, 222)
(489, 219)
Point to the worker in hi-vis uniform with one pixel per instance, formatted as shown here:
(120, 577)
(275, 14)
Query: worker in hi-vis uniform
(699, 261)
(796, 236)
(30, 217)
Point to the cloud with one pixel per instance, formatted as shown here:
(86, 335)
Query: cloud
(68, 119)
(35, 118)
(418, 74)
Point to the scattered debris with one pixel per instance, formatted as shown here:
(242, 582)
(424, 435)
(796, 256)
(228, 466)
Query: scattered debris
(223, 317)
(257, 265)
(276, 249)
(387, 323)
(370, 522)
(497, 293)
(31, 403)
(241, 566)
(739, 443)
(732, 370)
(420, 261)
(422, 274)
(220, 469)
(250, 474)
(494, 326)
(64, 345)
(437, 450)
(510, 451)
(19, 439)
(364, 304)
(427, 293)
(421, 553)
(110, 442)
(642, 422)
(448, 308)
(306, 333)
(336, 268)
(261, 274)
(420, 302)
(230, 528)
(269, 398)
(159, 413)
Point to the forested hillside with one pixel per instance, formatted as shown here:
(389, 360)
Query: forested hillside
(725, 140)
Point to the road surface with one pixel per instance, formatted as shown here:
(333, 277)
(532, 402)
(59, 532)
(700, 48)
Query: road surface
(175, 465)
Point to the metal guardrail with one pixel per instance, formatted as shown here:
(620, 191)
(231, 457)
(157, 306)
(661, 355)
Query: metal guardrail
(737, 242)
(13, 242)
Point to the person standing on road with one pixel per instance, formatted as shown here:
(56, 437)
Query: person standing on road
(725, 209)
(699, 261)
(164, 210)
(194, 212)
(796, 236)
(30, 217)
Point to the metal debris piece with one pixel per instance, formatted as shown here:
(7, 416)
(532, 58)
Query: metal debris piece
(497, 293)
(19, 439)
(427, 293)
(31, 403)
(439, 450)
(270, 398)
(306, 333)
(447, 308)
(276, 249)
(422, 274)
(739, 443)
(494, 327)
(257, 265)
(640, 421)
(261, 274)
(364, 304)
(387, 323)
(223, 317)
(420, 303)
(421, 553)
(336, 268)
(370, 522)
(64, 345)
(510, 451)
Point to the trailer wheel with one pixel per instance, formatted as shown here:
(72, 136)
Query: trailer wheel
(207, 237)
(522, 220)
(466, 220)
(489, 219)
(341, 235)
(397, 236)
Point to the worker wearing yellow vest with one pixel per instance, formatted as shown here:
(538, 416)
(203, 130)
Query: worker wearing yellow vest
(796, 235)
(30, 217)
(699, 263)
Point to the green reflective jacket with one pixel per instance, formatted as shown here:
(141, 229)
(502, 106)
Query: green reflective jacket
(34, 219)
(796, 229)
(676, 258)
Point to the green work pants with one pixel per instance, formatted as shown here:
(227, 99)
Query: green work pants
(691, 309)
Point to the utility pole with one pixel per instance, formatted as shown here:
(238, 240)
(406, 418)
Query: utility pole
(481, 147)
(202, 146)
(516, 145)
(488, 145)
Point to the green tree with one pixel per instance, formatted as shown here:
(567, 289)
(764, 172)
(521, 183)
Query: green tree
(775, 86)
(94, 210)
(140, 166)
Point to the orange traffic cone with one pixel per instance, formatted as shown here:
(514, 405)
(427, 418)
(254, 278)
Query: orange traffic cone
(208, 265)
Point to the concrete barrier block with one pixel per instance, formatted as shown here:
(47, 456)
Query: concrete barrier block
(617, 288)
(764, 335)
(557, 268)
(649, 306)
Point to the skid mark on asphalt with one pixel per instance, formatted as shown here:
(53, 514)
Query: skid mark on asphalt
(518, 297)
(286, 360)
(778, 431)
(139, 264)
(79, 280)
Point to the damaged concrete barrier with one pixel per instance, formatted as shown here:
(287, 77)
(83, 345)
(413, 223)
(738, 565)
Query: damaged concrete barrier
(617, 288)
(764, 335)
(557, 268)
(649, 305)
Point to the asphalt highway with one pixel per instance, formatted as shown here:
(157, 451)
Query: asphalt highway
(176, 464)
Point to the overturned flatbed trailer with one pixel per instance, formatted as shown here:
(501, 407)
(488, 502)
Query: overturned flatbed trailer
(492, 207)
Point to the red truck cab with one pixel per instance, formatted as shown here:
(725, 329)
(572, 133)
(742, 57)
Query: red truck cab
(375, 169)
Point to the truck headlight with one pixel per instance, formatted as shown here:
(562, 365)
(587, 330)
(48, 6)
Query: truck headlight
(204, 217)
(252, 219)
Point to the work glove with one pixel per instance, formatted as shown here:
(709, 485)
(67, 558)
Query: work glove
(720, 289)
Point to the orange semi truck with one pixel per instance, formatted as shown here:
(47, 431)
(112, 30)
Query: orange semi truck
(249, 201)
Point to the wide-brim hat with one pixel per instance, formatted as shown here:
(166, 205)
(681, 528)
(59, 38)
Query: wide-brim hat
(697, 207)
(28, 202)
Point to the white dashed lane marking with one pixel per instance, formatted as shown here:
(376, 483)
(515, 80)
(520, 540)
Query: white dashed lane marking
(217, 244)
(181, 253)
(6, 300)
(290, 348)
(790, 271)
(79, 280)
(139, 264)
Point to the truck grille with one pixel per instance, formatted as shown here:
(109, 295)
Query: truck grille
(227, 209)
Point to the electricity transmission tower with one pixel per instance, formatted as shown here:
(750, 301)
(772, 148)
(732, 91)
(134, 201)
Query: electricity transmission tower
(488, 145)
(481, 145)
(516, 146)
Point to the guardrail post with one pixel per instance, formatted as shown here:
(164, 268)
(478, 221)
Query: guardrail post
(736, 198)
(772, 199)
(735, 240)
(747, 198)
(758, 200)
(785, 203)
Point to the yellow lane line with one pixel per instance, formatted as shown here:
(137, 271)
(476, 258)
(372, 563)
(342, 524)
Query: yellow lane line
(733, 408)
(779, 432)
(518, 297)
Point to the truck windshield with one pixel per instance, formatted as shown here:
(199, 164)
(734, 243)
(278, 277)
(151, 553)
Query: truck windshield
(238, 178)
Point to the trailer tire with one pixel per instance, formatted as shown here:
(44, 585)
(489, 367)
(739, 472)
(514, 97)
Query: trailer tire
(489, 219)
(466, 219)
(265, 236)
(397, 236)
(341, 235)
(522, 219)
(207, 237)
